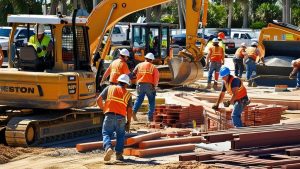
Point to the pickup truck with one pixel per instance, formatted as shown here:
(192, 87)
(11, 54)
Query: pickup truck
(241, 37)
(20, 37)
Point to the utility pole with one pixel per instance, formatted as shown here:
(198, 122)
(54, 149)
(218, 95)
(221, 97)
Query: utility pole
(286, 11)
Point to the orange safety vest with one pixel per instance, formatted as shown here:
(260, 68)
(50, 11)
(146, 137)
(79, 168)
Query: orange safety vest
(118, 67)
(242, 92)
(239, 52)
(145, 73)
(251, 51)
(216, 54)
(117, 100)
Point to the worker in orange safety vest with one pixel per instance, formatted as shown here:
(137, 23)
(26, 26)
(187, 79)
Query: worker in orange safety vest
(238, 60)
(147, 81)
(252, 57)
(117, 107)
(215, 59)
(239, 99)
(116, 68)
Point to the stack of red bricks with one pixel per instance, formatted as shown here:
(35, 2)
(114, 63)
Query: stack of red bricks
(177, 116)
(263, 115)
(253, 115)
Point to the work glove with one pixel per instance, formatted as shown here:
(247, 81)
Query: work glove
(291, 77)
(38, 50)
(226, 103)
(127, 127)
(44, 47)
(215, 107)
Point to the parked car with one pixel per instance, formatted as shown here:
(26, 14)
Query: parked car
(241, 37)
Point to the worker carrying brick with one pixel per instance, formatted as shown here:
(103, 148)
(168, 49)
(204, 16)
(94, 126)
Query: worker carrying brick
(117, 107)
(215, 59)
(296, 69)
(116, 68)
(238, 60)
(239, 99)
(1, 56)
(147, 81)
(252, 57)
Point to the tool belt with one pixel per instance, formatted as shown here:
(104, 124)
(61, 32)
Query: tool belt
(245, 101)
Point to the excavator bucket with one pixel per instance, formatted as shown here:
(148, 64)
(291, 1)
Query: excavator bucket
(278, 54)
(183, 71)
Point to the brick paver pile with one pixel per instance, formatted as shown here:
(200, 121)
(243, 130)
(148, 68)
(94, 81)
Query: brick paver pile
(172, 115)
(254, 115)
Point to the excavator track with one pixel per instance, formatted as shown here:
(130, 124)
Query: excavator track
(33, 130)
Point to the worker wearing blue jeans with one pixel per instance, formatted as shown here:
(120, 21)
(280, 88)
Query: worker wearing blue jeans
(239, 99)
(296, 69)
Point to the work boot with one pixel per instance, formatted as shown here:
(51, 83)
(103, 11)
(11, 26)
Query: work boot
(215, 86)
(119, 156)
(108, 154)
(208, 86)
(134, 117)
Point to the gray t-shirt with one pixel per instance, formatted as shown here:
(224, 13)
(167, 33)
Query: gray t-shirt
(104, 96)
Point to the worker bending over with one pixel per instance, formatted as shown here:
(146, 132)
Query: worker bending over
(215, 59)
(239, 99)
(296, 69)
(147, 80)
(118, 106)
(116, 68)
(238, 60)
(253, 55)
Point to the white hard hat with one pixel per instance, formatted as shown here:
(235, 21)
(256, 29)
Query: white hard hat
(124, 78)
(150, 56)
(40, 30)
(293, 62)
(215, 40)
(254, 44)
(124, 52)
(243, 44)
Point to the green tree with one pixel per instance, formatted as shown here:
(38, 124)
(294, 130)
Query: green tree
(18, 7)
(268, 12)
(217, 16)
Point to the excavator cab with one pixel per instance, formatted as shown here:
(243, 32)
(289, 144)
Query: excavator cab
(279, 44)
(151, 37)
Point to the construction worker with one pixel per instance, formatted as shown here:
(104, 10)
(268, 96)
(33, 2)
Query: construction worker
(41, 42)
(116, 68)
(1, 56)
(117, 107)
(215, 58)
(239, 99)
(296, 69)
(250, 60)
(147, 80)
(221, 38)
(238, 60)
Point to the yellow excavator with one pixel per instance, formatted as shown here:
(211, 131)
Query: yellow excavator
(54, 103)
(279, 44)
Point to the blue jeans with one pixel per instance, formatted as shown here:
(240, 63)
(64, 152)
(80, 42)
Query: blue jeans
(145, 89)
(298, 78)
(213, 67)
(238, 108)
(113, 123)
(238, 66)
(250, 68)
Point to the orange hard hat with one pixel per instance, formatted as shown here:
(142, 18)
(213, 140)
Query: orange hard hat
(221, 35)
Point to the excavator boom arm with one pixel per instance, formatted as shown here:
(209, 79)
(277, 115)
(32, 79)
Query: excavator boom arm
(107, 13)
